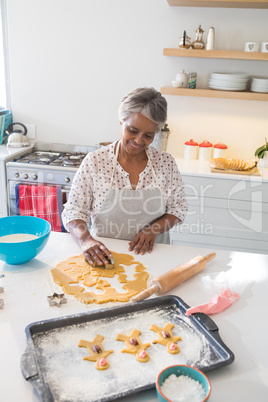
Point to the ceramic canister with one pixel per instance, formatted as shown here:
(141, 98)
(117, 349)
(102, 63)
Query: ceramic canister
(190, 150)
(205, 151)
(220, 150)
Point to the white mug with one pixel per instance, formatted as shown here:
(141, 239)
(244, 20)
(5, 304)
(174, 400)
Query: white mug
(264, 47)
(251, 47)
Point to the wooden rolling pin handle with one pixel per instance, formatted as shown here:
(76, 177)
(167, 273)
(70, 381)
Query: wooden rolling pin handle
(175, 276)
(147, 293)
(209, 257)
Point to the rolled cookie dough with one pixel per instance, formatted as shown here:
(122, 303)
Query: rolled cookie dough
(70, 272)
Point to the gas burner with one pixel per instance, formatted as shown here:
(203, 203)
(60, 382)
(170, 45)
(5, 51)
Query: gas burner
(40, 161)
(64, 159)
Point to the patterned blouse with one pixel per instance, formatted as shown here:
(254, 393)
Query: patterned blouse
(93, 180)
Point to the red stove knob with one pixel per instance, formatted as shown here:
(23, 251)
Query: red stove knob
(35, 177)
(26, 176)
(67, 180)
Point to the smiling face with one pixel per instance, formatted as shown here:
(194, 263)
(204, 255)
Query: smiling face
(137, 133)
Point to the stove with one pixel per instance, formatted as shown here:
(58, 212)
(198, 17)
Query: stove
(46, 164)
(50, 158)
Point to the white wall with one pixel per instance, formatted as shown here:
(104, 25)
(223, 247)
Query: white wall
(72, 61)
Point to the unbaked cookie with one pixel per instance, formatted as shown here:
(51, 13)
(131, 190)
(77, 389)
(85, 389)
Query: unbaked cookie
(134, 345)
(166, 337)
(96, 351)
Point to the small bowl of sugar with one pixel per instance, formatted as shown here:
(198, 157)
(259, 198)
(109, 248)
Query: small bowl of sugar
(182, 383)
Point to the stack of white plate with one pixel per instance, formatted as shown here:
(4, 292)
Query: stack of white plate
(259, 85)
(228, 81)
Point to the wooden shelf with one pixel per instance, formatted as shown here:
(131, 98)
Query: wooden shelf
(211, 93)
(215, 54)
(220, 3)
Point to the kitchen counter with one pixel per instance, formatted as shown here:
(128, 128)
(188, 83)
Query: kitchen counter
(10, 153)
(243, 327)
(201, 168)
(227, 210)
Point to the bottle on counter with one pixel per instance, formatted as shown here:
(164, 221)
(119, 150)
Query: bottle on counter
(205, 151)
(220, 150)
(190, 150)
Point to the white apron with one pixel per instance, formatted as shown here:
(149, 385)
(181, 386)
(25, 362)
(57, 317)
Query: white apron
(126, 212)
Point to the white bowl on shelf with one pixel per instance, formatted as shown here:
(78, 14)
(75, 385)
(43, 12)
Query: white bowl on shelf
(176, 84)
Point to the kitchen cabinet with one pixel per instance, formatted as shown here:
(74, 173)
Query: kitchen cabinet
(220, 3)
(225, 211)
(7, 154)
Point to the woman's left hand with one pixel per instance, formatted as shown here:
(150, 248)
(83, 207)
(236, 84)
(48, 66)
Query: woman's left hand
(143, 241)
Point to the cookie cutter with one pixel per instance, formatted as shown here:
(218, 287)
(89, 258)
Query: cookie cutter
(56, 299)
(110, 264)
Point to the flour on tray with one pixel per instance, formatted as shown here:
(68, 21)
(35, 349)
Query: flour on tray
(69, 377)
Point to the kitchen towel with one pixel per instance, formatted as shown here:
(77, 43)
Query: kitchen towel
(41, 201)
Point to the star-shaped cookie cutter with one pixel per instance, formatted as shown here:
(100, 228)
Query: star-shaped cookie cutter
(56, 299)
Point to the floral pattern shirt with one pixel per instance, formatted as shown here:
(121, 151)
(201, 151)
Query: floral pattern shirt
(93, 180)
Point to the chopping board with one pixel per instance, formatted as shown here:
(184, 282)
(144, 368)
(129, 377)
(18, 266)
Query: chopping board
(251, 172)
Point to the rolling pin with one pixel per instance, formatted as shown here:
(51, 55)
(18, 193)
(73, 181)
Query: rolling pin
(175, 276)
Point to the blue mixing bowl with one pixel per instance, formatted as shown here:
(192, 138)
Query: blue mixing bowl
(20, 252)
(185, 370)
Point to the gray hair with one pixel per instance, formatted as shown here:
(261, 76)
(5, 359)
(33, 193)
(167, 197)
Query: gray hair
(147, 101)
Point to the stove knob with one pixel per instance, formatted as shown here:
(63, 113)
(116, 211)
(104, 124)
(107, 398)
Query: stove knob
(35, 177)
(67, 180)
(17, 175)
(26, 176)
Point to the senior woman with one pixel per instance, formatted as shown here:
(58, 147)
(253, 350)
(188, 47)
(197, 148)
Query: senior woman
(127, 190)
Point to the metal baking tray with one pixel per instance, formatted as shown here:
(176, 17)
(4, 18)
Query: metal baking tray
(54, 364)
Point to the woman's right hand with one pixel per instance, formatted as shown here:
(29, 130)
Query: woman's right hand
(93, 250)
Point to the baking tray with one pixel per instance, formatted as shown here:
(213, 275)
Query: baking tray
(54, 363)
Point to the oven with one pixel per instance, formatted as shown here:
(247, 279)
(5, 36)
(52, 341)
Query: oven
(51, 165)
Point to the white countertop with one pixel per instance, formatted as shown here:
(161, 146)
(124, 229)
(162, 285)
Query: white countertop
(201, 168)
(243, 327)
(7, 153)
